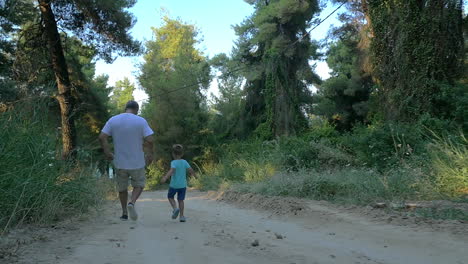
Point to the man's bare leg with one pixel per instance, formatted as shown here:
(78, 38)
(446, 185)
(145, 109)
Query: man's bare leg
(136, 194)
(123, 196)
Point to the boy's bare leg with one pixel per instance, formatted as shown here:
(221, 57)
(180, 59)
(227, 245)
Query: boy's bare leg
(136, 193)
(123, 196)
(181, 207)
(173, 203)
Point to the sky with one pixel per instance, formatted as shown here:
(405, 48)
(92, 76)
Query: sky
(214, 19)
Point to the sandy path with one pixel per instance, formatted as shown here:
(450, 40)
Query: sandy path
(220, 233)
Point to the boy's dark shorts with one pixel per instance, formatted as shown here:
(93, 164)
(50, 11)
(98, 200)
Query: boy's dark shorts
(180, 193)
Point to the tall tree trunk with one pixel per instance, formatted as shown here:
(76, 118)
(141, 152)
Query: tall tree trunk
(60, 68)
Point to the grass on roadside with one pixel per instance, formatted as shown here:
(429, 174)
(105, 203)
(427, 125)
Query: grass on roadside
(357, 186)
(36, 186)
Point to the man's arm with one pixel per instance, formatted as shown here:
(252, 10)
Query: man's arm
(168, 174)
(148, 149)
(103, 139)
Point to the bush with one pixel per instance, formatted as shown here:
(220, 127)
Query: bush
(389, 162)
(256, 172)
(212, 175)
(321, 129)
(295, 153)
(345, 185)
(385, 145)
(450, 164)
(37, 187)
(154, 174)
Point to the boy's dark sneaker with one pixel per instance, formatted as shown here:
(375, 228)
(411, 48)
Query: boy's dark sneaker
(175, 213)
(182, 219)
(132, 211)
(124, 217)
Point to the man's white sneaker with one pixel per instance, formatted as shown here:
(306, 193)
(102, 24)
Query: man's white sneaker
(132, 211)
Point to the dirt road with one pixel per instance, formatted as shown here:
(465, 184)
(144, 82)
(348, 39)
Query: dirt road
(217, 232)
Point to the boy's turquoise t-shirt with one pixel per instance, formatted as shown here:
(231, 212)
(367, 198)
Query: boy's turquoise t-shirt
(179, 178)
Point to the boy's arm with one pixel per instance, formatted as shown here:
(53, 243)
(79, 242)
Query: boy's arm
(192, 172)
(168, 174)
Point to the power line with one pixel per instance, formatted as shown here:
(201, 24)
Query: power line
(245, 66)
(308, 32)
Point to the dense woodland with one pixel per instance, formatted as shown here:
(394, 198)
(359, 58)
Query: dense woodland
(389, 124)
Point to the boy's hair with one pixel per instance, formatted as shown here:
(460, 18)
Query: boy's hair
(178, 150)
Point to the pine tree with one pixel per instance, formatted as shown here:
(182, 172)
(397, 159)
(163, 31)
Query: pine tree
(102, 24)
(417, 49)
(343, 98)
(122, 93)
(273, 43)
(175, 75)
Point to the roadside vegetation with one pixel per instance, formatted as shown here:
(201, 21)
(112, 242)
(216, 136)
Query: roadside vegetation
(389, 125)
(371, 164)
(37, 186)
(370, 133)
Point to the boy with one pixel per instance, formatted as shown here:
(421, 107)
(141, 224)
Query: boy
(178, 183)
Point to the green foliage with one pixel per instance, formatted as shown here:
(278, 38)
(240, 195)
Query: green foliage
(274, 45)
(100, 89)
(46, 188)
(255, 172)
(320, 129)
(450, 165)
(178, 115)
(383, 145)
(443, 214)
(391, 162)
(417, 47)
(211, 176)
(255, 160)
(13, 13)
(31, 66)
(351, 185)
(154, 174)
(103, 24)
(226, 109)
(453, 103)
(298, 153)
(343, 98)
(122, 93)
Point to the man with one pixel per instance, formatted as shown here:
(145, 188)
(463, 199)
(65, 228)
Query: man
(132, 137)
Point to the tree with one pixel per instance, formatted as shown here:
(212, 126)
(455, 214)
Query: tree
(343, 98)
(104, 24)
(417, 49)
(275, 46)
(175, 75)
(13, 14)
(90, 93)
(228, 106)
(122, 93)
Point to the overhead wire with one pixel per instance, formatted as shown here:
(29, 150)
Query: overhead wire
(246, 66)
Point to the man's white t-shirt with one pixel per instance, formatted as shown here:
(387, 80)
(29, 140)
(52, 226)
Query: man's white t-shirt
(128, 132)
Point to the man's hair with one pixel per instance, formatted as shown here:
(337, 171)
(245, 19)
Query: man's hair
(178, 150)
(132, 105)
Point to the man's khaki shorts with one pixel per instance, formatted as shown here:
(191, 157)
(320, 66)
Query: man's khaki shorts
(137, 177)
